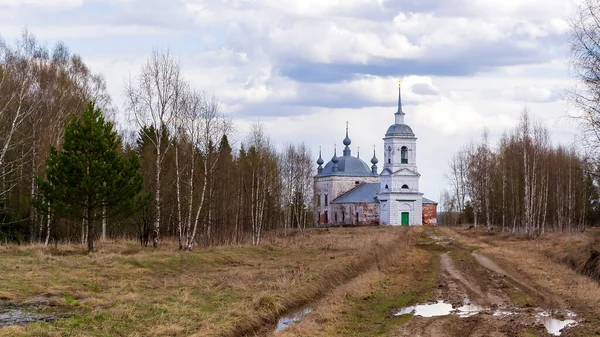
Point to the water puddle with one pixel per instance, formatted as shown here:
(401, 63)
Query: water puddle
(20, 317)
(441, 308)
(286, 321)
(29, 310)
(553, 325)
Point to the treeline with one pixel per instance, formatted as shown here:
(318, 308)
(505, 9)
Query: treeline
(204, 189)
(41, 89)
(522, 185)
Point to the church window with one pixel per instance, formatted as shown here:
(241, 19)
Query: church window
(405, 186)
(343, 216)
(335, 216)
(404, 154)
(389, 154)
(326, 217)
(319, 199)
(386, 187)
(326, 201)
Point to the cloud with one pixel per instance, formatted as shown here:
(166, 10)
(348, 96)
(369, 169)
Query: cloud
(305, 67)
(87, 31)
(44, 4)
(424, 89)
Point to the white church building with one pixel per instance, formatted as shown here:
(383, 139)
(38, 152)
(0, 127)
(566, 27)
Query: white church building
(348, 192)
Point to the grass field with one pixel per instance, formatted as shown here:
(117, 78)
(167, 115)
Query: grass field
(352, 278)
(123, 290)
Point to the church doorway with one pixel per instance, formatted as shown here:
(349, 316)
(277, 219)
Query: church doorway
(405, 218)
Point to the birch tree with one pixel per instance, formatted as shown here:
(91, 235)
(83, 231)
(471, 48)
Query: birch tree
(205, 125)
(19, 95)
(262, 171)
(524, 185)
(154, 98)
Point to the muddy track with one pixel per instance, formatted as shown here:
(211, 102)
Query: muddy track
(507, 305)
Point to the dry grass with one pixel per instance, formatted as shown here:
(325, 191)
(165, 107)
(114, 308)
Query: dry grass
(124, 290)
(364, 306)
(532, 261)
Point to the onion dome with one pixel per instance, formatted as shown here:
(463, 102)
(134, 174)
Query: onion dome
(320, 161)
(335, 160)
(347, 140)
(374, 161)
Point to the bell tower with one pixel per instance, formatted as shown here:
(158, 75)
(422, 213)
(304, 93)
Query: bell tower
(400, 199)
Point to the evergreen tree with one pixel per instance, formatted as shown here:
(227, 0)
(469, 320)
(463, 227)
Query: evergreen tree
(89, 177)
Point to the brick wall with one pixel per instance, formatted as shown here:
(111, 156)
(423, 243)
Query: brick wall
(352, 214)
(429, 214)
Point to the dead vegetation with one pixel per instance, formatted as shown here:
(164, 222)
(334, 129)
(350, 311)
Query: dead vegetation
(541, 264)
(354, 279)
(404, 275)
(580, 252)
(123, 290)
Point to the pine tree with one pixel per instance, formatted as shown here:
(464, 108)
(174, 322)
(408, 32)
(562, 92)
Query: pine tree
(88, 174)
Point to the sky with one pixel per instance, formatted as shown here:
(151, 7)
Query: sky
(304, 68)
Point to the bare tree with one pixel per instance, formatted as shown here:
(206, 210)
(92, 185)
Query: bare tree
(263, 178)
(528, 186)
(296, 181)
(154, 99)
(584, 40)
(458, 177)
(205, 125)
(19, 94)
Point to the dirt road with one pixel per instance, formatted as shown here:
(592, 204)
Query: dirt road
(501, 304)
(473, 295)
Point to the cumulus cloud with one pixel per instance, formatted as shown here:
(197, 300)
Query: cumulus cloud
(305, 67)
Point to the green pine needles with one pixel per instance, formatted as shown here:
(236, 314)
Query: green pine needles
(88, 179)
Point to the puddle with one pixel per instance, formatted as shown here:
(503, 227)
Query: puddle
(286, 321)
(20, 317)
(555, 326)
(29, 310)
(441, 308)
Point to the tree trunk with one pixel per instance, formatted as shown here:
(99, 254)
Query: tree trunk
(178, 191)
(90, 235)
(191, 238)
(48, 222)
(157, 216)
(104, 223)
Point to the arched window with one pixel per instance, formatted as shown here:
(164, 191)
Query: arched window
(404, 187)
(389, 155)
(335, 216)
(386, 187)
(326, 217)
(326, 201)
(319, 199)
(404, 154)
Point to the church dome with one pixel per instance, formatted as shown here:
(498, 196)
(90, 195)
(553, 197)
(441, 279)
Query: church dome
(399, 130)
(347, 166)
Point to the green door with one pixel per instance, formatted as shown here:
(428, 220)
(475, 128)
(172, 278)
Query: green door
(404, 218)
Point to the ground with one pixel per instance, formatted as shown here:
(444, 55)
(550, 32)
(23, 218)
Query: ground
(346, 281)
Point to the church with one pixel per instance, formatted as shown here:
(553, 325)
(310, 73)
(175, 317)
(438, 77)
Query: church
(350, 193)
